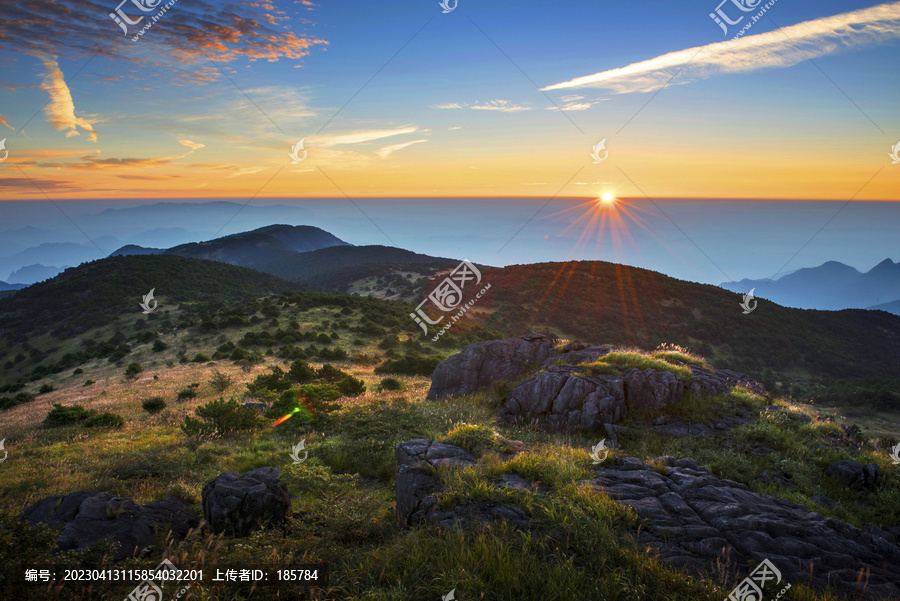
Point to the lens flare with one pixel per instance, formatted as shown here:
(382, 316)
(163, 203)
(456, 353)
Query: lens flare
(284, 418)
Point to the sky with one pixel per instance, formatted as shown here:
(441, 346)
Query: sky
(489, 99)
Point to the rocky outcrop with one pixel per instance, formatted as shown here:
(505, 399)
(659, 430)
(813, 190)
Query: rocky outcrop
(237, 504)
(85, 517)
(416, 486)
(569, 396)
(479, 364)
(856, 475)
(697, 519)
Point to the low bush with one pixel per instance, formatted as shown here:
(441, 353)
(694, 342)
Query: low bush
(64, 416)
(154, 404)
(133, 370)
(187, 393)
(221, 418)
(411, 364)
(104, 420)
(391, 384)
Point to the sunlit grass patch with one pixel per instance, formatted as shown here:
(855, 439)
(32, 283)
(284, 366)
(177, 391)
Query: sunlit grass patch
(614, 362)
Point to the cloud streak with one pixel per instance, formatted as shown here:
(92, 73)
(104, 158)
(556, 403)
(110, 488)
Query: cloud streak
(60, 111)
(388, 150)
(359, 137)
(776, 49)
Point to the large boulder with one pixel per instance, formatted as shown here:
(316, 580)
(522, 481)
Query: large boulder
(479, 364)
(856, 475)
(106, 515)
(702, 522)
(237, 504)
(84, 517)
(651, 389)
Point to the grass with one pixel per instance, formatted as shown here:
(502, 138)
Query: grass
(613, 364)
(581, 544)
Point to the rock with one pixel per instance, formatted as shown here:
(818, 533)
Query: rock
(855, 475)
(103, 515)
(650, 389)
(416, 485)
(237, 504)
(481, 363)
(781, 479)
(260, 407)
(56, 511)
(704, 523)
(433, 452)
(84, 517)
(762, 451)
(172, 514)
(824, 501)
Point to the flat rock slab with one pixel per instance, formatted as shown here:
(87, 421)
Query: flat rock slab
(697, 519)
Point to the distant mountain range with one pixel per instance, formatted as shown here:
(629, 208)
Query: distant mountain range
(831, 286)
(313, 257)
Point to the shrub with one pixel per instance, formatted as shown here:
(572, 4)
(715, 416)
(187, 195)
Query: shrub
(411, 364)
(273, 382)
(133, 370)
(220, 381)
(64, 416)
(329, 373)
(221, 418)
(45, 388)
(154, 404)
(301, 372)
(20, 399)
(389, 341)
(305, 403)
(78, 371)
(159, 346)
(104, 420)
(200, 358)
(391, 384)
(350, 386)
(89, 382)
(187, 393)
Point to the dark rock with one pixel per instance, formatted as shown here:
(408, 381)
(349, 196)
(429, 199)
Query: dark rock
(703, 523)
(824, 501)
(650, 389)
(433, 452)
(484, 362)
(260, 407)
(172, 514)
(855, 475)
(761, 451)
(414, 487)
(237, 504)
(104, 515)
(56, 511)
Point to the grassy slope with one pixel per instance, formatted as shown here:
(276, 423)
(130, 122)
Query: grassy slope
(344, 491)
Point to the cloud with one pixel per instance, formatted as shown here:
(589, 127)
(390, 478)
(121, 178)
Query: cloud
(775, 49)
(491, 105)
(60, 111)
(187, 32)
(192, 145)
(358, 137)
(3, 121)
(387, 150)
(500, 105)
(244, 171)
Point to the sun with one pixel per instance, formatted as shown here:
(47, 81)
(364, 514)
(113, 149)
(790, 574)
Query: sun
(607, 199)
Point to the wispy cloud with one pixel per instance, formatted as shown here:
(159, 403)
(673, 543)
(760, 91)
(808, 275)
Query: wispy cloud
(774, 49)
(358, 137)
(3, 121)
(491, 105)
(387, 150)
(60, 111)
